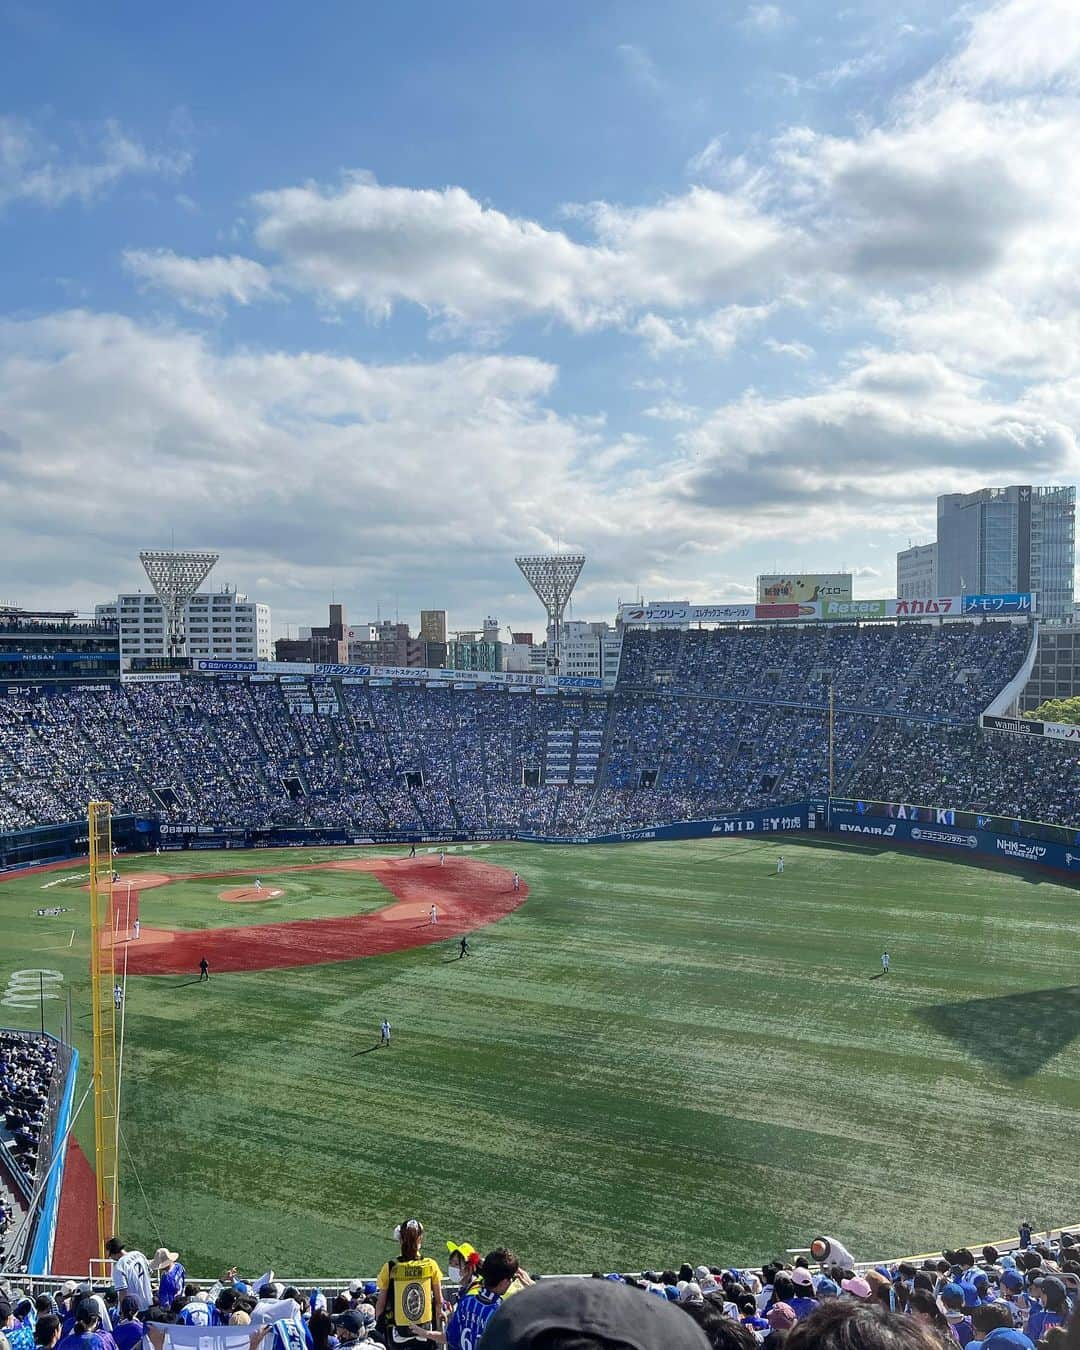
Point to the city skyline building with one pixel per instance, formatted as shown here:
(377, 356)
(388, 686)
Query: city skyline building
(1000, 540)
(916, 572)
(222, 625)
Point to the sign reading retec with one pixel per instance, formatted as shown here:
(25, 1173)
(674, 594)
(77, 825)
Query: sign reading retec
(856, 609)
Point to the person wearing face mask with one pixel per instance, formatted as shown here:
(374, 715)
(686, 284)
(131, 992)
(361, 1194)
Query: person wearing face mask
(462, 1266)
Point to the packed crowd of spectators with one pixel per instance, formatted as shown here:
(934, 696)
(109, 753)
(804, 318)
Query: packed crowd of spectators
(1015, 1299)
(1012, 776)
(27, 1065)
(701, 722)
(940, 671)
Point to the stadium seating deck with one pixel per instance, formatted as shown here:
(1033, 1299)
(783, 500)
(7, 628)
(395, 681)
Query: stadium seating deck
(701, 722)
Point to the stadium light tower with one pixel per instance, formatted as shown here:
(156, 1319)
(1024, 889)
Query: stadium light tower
(176, 574)
(553, 577)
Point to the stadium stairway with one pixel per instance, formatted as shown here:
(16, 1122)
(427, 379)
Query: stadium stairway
(896, 704)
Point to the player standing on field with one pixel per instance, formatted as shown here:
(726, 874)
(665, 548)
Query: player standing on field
(780, 865)
(516, 883)
(884, 963)
(135, 931)
(433, 915)
(117, 996)
(204, 970)
(384, 1032)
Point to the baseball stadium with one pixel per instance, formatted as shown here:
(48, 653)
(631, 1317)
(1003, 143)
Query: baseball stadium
(770, 935)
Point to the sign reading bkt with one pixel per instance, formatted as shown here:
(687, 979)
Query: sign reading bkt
(777, 589)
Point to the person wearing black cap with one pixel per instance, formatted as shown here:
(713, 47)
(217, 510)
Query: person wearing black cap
(86, 1333)
(582, 1314)
(131, 1273)
(352, 1327)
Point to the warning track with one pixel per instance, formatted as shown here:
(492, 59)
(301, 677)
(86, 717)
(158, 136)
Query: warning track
(468, 894)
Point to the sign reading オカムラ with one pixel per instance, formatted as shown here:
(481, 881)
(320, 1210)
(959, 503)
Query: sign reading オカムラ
(782, 589)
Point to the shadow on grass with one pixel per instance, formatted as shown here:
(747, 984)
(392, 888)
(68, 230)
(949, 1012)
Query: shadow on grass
(376, 1046)
(1015, 1035)
(835, 842)
(1033, 876)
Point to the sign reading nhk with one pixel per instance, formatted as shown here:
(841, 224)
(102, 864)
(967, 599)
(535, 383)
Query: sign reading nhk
(782, 589)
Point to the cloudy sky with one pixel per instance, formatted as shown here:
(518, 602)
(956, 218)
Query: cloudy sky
(371, 297)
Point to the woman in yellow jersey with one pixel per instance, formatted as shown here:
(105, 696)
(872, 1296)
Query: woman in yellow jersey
(410, 1289)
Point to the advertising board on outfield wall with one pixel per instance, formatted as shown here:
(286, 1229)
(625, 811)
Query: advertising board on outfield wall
(1028, 726)
(301, 670)
(830, 610)
(678, 616)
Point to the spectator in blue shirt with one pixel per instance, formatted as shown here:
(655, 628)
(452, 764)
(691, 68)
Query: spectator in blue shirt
(129, 1330)
(1054, 1311)
(172, 1276)
(498, 1271)
(86, 1331)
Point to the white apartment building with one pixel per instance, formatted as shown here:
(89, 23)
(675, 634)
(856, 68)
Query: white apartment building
(916, 572)
(224, 625)
(590, 650)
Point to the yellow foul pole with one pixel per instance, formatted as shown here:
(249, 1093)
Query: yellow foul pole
(102, 980)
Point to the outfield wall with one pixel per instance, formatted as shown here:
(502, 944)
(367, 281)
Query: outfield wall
(39, 1261)
(963, 833)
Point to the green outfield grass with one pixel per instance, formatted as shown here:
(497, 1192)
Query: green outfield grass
(667, 1053)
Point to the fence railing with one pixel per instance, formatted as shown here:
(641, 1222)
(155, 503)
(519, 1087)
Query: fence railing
(31, 1284)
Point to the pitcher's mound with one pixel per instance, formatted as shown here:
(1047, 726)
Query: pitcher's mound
(248, 895)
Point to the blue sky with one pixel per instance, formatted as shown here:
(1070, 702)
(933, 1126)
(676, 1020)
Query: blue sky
(371, 297)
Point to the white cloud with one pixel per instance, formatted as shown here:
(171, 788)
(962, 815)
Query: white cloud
(201, 284)
(640, 66)
(801, 351)
(37, 172)
(670, 411)
(1020, 44)
(764, 18)
(717, 333)
(870, 450)
(443, 250)
(708, 160)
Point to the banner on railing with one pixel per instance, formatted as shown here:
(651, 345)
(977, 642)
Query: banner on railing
(1028, 726)
(936, 607)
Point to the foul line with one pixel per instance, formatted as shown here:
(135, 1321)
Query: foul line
(61, 947)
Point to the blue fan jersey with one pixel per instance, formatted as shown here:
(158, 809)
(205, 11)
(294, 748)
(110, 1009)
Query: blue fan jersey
(471, 1316)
